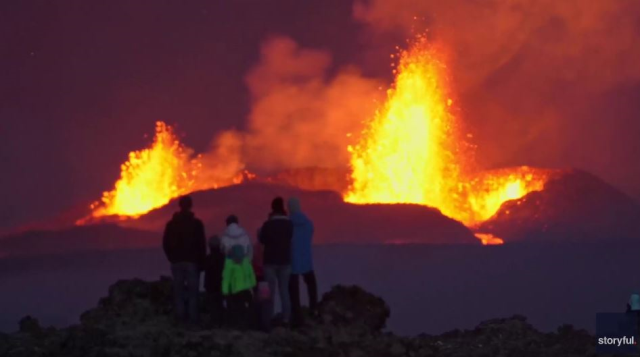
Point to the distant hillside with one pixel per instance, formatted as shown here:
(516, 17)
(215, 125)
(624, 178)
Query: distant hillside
(313, 178)
(573, 206)
(335, 221)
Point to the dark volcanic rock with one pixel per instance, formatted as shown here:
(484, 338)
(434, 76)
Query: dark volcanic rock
(508, 337)
(30, 325)
(131, 303)
(135, 320)
(350, 306)
(574, 205)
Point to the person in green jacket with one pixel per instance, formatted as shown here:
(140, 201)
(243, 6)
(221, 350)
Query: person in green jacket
(238, 277)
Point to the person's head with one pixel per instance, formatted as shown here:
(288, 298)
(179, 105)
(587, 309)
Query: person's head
(214, 243)
(293, 204)
(232, 219)
(185, 203)
(277, 206)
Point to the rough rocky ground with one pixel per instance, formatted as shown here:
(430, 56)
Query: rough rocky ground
(135, 319)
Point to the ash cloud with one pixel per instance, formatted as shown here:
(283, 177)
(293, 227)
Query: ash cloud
(541, 81)
(590, 43)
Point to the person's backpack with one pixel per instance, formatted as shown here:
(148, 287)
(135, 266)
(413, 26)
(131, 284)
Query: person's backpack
(237, 253)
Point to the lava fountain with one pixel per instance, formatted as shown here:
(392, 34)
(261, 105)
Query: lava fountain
(412, 150)
(153, 176)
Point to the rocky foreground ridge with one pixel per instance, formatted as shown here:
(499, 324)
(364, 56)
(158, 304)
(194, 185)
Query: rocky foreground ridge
(135, 319)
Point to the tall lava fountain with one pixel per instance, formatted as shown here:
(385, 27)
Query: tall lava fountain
(155, 175)
(412, 150)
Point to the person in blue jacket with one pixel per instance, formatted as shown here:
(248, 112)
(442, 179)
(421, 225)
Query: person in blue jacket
(301, 260)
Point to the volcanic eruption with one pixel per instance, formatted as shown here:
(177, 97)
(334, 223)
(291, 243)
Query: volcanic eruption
(413, 151)
(153, 176)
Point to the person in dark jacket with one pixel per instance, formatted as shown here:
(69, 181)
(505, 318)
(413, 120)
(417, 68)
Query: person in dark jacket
(214, 264)
(275, 235)
(301, 260)
(184, 245)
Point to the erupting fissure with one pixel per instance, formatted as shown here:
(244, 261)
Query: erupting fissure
(153, 176)
(412, 150)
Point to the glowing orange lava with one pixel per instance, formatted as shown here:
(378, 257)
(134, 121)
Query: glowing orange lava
(489, 239)
(412, 151)
(153, 176)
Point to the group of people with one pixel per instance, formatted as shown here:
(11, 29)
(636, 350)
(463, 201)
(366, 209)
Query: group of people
(242, 277)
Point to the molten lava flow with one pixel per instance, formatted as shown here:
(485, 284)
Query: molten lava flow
(153, 176)
(489, 239)
(408, 152)
(412, 152)
(487, 191)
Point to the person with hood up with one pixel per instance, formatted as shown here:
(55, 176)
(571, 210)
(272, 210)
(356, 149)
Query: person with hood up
(301, 260)
(185, 247)
(238, 278)
(275, 235)
(634, 303)
(633, 308)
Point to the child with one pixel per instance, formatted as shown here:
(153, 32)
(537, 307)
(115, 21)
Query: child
(238, 278)
(261, 293)
(214, 264)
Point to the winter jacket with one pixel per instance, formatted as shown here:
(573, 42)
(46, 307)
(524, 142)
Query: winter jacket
(213, 267)
(237, 277)
(184, 240)
(236, 235)
(276, 234)
(301, 256)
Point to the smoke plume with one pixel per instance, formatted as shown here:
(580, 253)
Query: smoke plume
(591, 43)
(301, 115)
(532, 76)
(223, 161)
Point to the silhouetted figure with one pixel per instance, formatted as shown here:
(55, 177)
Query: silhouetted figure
(185, 247)
(238, 278)
(633, 307)
(634, 303)
(301, 260)
(261, 293)
(258, 259)
(275, 235)
(214, 265)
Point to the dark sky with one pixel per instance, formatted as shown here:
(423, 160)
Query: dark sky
(82, 82)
